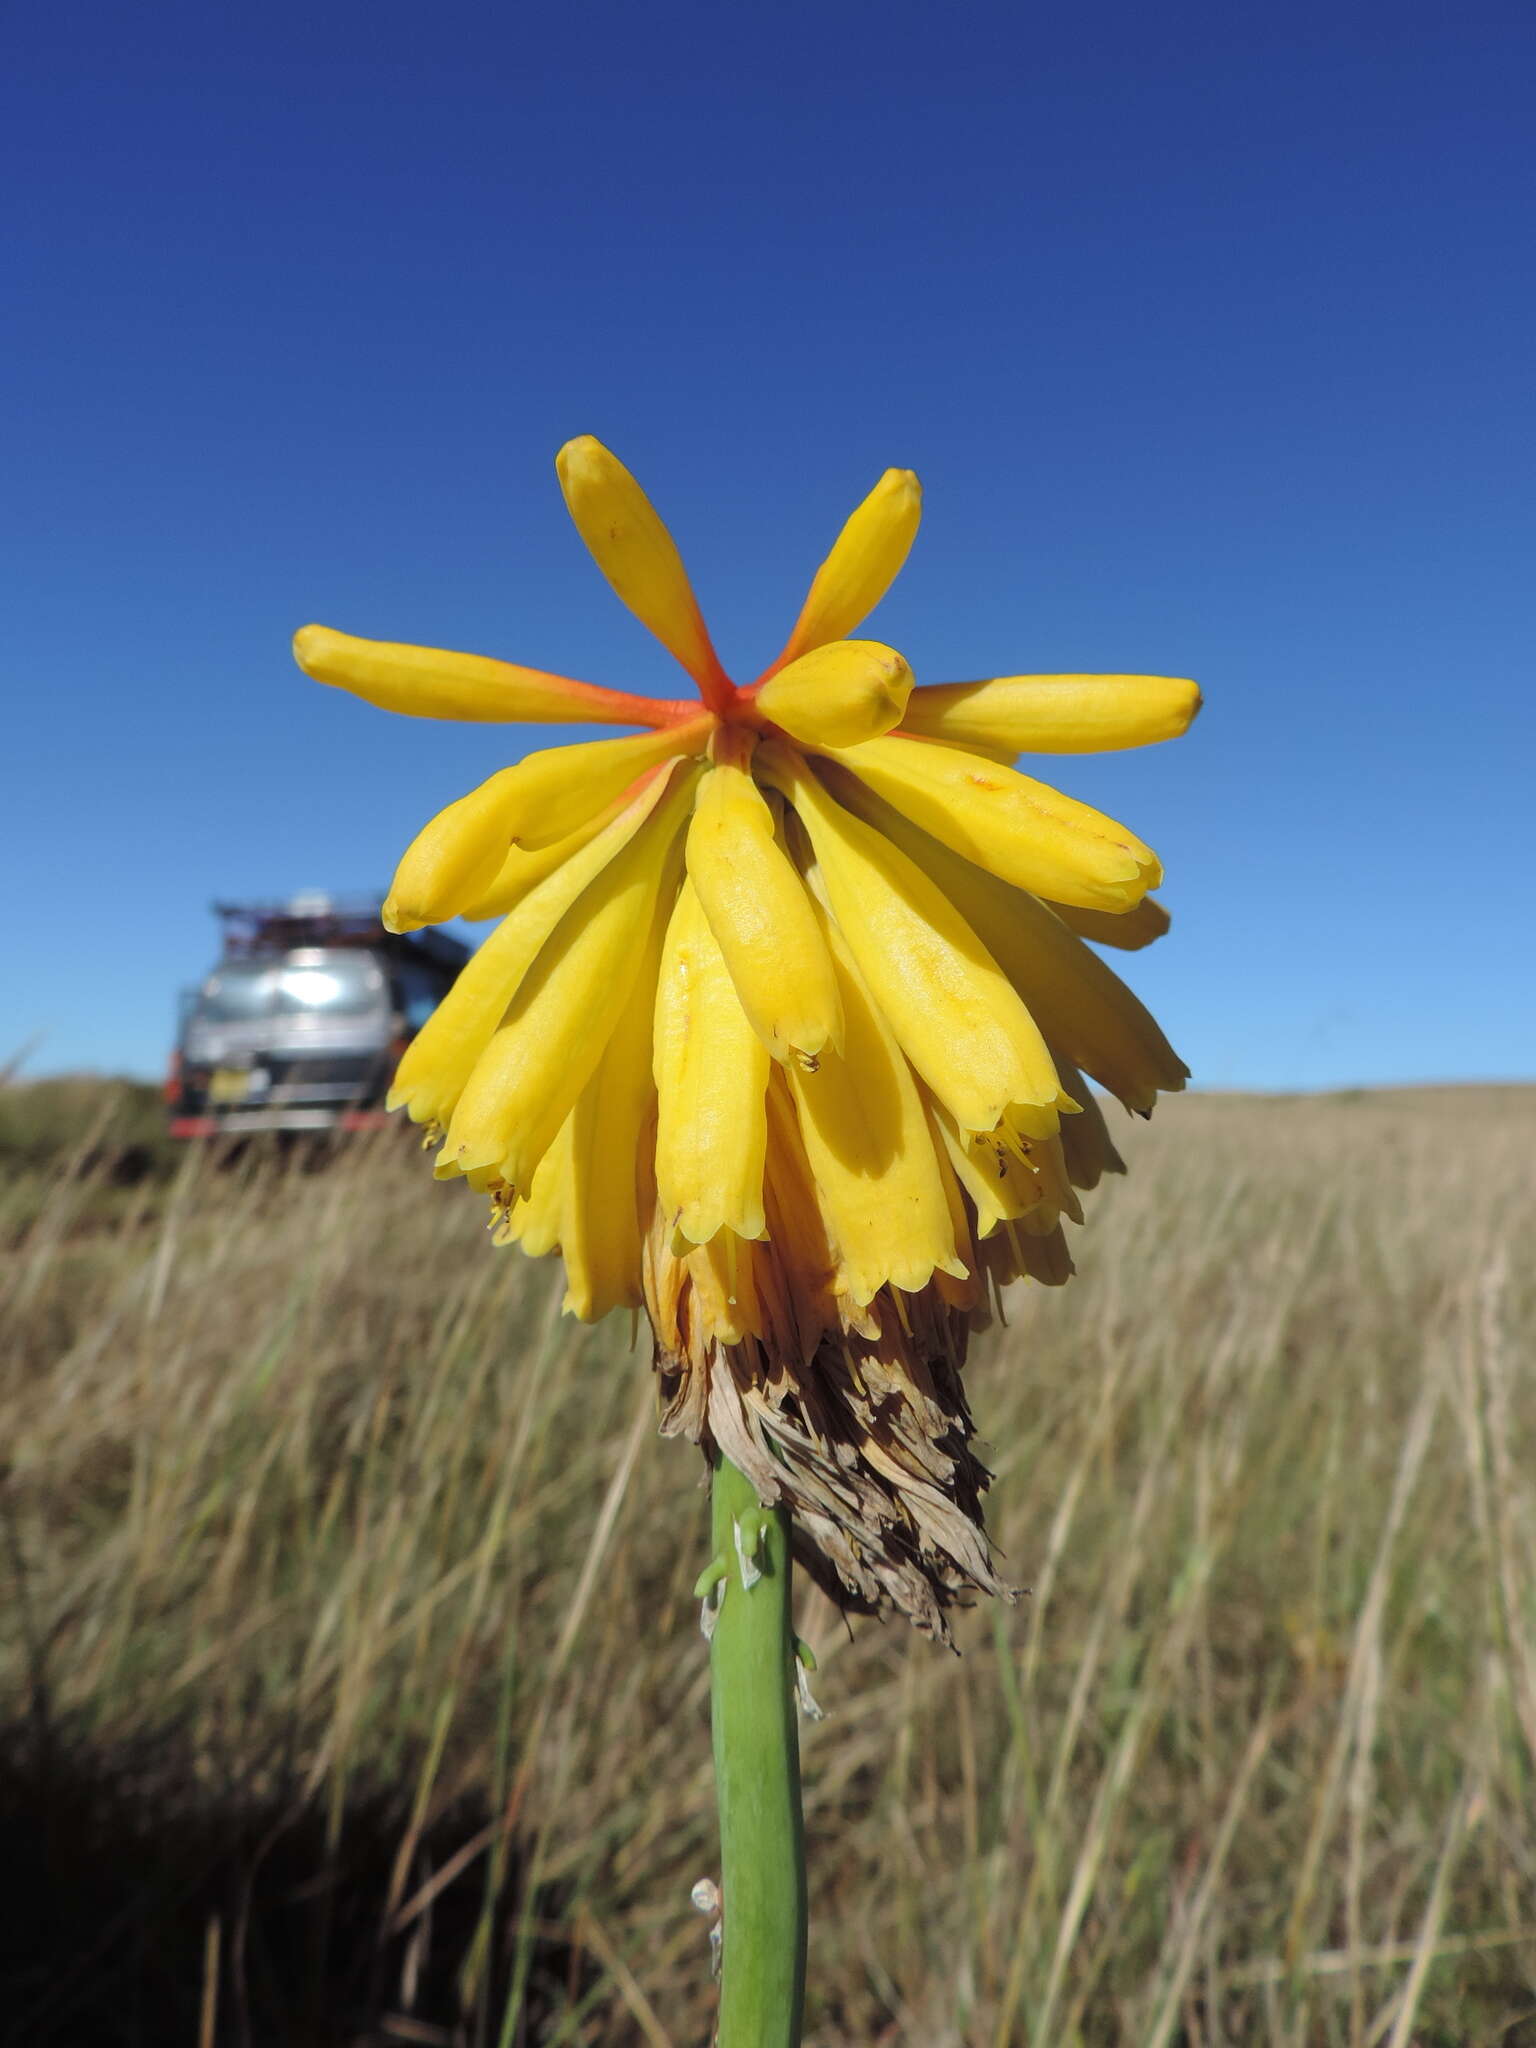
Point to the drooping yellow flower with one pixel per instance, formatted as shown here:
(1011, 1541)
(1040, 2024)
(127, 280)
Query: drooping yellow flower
(786, 1031)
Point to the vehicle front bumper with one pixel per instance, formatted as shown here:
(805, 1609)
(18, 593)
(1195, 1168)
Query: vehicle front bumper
(235, 1122)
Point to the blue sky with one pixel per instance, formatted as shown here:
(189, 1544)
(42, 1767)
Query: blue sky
(1207, 328)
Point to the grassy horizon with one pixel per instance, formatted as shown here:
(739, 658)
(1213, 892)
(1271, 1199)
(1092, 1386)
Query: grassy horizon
(358, 1694)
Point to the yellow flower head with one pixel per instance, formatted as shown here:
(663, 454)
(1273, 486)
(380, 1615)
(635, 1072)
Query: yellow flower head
(783, 1031)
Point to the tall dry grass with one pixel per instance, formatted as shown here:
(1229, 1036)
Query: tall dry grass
(359, 1696)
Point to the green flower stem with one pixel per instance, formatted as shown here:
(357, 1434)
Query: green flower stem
(757, 1772)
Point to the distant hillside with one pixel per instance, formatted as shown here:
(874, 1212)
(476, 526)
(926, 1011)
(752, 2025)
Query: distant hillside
(113, 1129)
(1436, 1098)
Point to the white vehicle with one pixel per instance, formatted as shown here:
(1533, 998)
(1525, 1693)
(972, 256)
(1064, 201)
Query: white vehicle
(301, 1024)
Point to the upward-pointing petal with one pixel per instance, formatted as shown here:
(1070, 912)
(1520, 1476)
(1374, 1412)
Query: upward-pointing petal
(865, 561)
(634, 550)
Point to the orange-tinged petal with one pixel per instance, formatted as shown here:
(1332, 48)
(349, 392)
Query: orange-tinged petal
(797, 1228)
(634, 550)
(865, 561)
(1054, 714)
(558, 790)
(722, 1278)
(431, 682)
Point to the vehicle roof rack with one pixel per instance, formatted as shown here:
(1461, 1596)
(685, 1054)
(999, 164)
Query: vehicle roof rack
(315, 919)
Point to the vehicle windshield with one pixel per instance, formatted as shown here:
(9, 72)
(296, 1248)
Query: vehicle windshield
(308, 984)
(333, 984)
(236, 995)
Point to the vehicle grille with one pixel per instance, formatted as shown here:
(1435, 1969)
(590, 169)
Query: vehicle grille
(326, 1077)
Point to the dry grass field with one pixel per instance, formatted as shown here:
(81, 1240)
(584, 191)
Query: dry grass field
(355, 1692)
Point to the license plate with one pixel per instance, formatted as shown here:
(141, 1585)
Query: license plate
(229, 1084)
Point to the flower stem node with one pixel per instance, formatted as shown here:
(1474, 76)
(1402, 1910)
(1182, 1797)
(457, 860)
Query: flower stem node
(788, 1028)
(709, 1591)
(711, 1576)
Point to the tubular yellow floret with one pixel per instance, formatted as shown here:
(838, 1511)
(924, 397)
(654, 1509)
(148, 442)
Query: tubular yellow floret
(604, 1230)
(1048, 1161)
(439, 1059)
(540, 1058)
(865, 561)
(763, 921)
(523, 868)
(837, 695)
(432, 682)
(1009, 824)
(559, 789)
(537, 1221)
(869, 1145)
(994, 1173)
(722, 1278)
(1054, 714)
(801, 1250)
(1080, 1005)
(958, 1020)
(1086, 1145)
(634, 550)
(454, 857)
(711, 1072)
